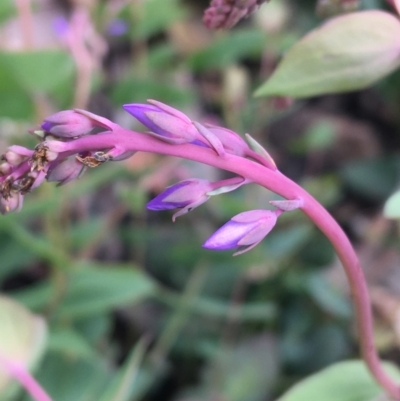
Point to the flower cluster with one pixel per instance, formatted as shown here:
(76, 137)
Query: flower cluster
(227, 13)
(61, 157)
(22, 169)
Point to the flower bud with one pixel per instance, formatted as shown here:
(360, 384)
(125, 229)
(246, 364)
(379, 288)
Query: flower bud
(243, 231)
(12, 203)
(165, 122)
(227, 13)
(186, 194)
(5, 168)
(15, 155)
(68, 124)
(66, 171)
(231, 141)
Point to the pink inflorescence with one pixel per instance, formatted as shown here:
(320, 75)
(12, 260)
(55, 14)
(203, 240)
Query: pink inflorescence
(60, 158)
(224, 14)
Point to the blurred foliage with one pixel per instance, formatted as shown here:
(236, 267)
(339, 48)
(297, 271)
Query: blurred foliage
(135, 308)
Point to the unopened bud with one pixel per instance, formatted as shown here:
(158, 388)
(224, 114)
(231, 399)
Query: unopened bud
(15, 154)
(12, 203)
(68, 124)
(66, 171)
(5, 168)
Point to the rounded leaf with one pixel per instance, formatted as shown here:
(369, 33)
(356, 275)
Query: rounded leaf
(392, 206)
(22, 339)
(347, 53)
(344, 381)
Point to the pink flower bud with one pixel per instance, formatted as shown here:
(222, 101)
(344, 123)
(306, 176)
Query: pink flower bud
(243, 231)
(15, 155)
(5, 168)
(68, 124)
(12, 203)
(66, 171)
(164, 122)
(186, 194)
(231, 141)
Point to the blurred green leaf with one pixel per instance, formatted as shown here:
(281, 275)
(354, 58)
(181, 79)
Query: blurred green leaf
(121, 387)
(136, 89)
(7, 9)
(39, 71)
(232, 47)
(72, 379)
(327, 298)
(70, 342)
(285, 242)
(157, 15)
(85, 231)
(373, 179)
(392, 206)
(12, 259)
(22, 338)
(95, 288)
(245, 372)
(320, 136)
(344, 381)
(348, 52)
(27, 74)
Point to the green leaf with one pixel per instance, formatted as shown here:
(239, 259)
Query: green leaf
(72, 343)
(22, 339)
(344, 381)
(7, 9)
(135, 89)
(94, 289)
(157, 16)
(347, 53)
(72, 379)
(229, 49)
(392, 206)
(38, 71)
(125, 380)
(24, 75)
(374, 179)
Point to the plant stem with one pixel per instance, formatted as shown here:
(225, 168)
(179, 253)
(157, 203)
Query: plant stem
(278, 183)
(18, 372)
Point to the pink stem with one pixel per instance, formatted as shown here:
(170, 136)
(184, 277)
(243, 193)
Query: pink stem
(280, 184)
(17, 371)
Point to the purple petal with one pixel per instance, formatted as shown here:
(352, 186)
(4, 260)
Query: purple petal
(252, 215)
(46, 126)
(158, 202)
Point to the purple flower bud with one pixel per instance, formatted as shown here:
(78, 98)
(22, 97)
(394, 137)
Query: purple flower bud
(165, 122)
(5, 168)
(243, 231)
(15, 155)
(227, 13)
(231, 141)
(66, 171)
(12, 203)
(186, 194)
(68, 124)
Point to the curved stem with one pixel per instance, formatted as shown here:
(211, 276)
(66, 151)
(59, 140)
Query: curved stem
(280, 184)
